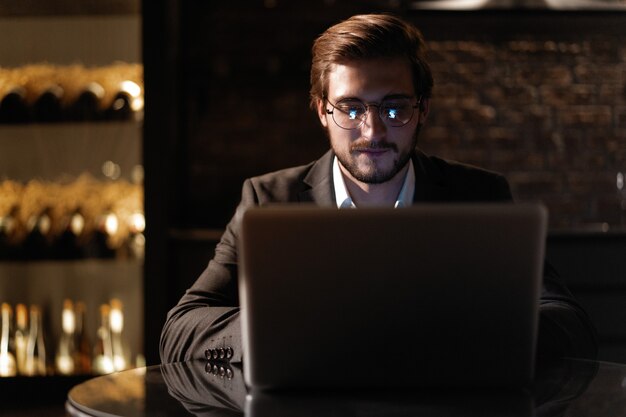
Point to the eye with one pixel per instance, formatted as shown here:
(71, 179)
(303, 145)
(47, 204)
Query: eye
(351, 109)
(395, 109)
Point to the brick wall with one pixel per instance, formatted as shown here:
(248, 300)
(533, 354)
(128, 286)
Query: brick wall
(548, 113)
(540, 97)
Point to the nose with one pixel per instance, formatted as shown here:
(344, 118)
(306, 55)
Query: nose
(373, 127)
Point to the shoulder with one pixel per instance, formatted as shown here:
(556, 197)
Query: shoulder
(468, 182)
(279, 186)
(460, 170)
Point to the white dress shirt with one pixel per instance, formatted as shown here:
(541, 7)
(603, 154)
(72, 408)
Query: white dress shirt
(343, 199)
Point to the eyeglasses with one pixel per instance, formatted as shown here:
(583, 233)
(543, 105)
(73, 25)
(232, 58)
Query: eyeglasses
(394, 112)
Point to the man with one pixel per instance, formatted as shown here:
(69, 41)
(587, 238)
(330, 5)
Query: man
(371, 87)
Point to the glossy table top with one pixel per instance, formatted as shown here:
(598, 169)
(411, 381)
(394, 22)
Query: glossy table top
(570, 388)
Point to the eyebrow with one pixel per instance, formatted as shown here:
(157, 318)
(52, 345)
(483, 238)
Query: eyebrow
(387, 97)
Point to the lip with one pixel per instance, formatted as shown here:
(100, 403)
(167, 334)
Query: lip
(369, 151)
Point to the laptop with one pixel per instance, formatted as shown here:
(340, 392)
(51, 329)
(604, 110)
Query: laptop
(434, 295)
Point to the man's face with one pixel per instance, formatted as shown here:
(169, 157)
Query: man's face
(373, 152)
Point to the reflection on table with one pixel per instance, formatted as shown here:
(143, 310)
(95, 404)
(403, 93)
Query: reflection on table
(569, 388)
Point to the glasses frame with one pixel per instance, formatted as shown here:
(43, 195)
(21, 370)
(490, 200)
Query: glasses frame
(367, 111)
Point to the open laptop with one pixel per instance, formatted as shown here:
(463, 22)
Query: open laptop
(428, 296)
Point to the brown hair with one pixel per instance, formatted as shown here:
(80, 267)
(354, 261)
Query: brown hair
(367, 37)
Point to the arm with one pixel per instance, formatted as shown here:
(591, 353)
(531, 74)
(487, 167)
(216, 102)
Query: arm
(207, 316)
(565, 330)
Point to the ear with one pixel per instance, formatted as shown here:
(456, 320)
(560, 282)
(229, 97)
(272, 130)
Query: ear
(424, 109)
(321, 112)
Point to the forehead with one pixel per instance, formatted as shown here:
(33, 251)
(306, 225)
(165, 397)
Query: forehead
(370, 79)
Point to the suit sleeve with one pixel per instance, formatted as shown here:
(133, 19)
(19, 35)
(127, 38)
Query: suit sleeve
(565, 330)
(207, 316)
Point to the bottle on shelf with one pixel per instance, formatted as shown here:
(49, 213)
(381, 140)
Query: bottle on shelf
(37, 242)
(21, 336)
(13, 107)
(120, 357)
(136, 241)
(99, 246)
(88, 104)
(48, 106)
(8, 363)
(126, 103)
(35, 363)
(66, 351)
(83, 346)
(103, 350)
(9, 247)
(68, 244)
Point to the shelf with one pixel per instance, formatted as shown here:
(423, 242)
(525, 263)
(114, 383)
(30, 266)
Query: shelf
(51, 151)
(93, 281)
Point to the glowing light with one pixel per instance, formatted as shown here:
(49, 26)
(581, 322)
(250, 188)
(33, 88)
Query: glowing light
(111, 224)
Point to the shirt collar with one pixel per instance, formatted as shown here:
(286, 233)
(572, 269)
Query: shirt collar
(343, 199)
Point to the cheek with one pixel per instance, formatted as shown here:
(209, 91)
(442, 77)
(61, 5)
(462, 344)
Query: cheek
(341, 139)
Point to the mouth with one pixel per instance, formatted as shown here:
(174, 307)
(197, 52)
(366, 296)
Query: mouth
(375, 148)
(371, 151)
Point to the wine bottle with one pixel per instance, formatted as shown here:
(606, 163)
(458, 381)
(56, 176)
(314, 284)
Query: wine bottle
(68, 246)
(103, 350)
(48, 107)
(126, 102)
(83, 347)
(35, 348)
(13, 107)
(37, 242)
(66, 351)
(99, 246)
(88, 104)
(9, 247)
(120, 361)
(136, 241)
(8, 364)
(21, 336)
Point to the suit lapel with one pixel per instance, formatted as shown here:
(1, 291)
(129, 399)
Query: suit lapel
(319, 179)
(429, 184)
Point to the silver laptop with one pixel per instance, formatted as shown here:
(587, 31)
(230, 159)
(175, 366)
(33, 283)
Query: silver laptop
(428, 296)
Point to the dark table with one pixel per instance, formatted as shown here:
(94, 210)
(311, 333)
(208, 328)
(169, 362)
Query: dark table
(569, 388)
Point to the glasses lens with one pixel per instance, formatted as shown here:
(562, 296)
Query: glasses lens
(396, 112)
(349, 114)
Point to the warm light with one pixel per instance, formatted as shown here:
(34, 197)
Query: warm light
(65, 364)
(133, 89)
(77, 224)
(111, 224)
(104, 364)
(116, 318)
(137, 222)
(68, 321)
(7, 365)
(111, 170)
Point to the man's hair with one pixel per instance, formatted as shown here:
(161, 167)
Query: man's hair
(370, 36)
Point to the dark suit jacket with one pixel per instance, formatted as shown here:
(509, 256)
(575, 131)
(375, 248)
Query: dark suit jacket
(207, 316)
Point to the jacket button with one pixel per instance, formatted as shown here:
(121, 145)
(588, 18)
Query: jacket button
(229, 352)
(207, 354)
(214, 353)
(221, 353)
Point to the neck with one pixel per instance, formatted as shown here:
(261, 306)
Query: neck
(382, 195)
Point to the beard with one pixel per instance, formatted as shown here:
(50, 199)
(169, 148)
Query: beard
(373, 174)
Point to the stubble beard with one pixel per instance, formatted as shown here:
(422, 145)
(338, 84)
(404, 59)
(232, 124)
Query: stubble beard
(376, 175)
